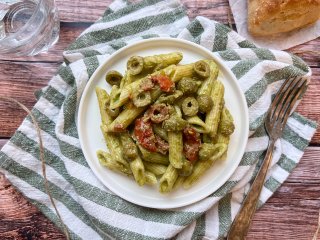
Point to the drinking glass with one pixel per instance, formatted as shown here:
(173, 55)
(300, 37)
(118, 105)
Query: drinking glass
(27, 27)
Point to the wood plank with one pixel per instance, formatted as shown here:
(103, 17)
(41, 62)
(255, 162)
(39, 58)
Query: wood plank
(20, 80)
(90, 11)
(81, 10)
(291, 213)
(307, 171)
(20, 219)
(279, 219)
(3, 142)
(309, 52)
(215, 10)
(309, 106)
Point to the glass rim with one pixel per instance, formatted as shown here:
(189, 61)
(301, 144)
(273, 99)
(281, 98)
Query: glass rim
(25, 26)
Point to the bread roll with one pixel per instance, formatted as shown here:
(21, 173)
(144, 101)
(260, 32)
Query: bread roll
(268, 17)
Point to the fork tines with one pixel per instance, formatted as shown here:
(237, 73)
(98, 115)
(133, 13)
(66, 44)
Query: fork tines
(286, 97)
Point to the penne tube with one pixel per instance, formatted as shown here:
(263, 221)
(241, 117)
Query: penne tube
(132, 78)
(129, 149)
(183, 71)
(178, 110)
(112, 142)
(197, 124)
(114, 95)
(175, 148)
(201, 167)
(226, 125)
(128, 90)
(198, 170)
(220, 138)
(125, 118)
(124, 80)
(179, 182)
(213, 116)
(162, 60)
(130, 113)
(106, 160)
(160, 131)
(114, 146)
(168, 179)
(103, 100)
(169, 98)
(138, 171)
(151, 178)
(212, 151)
(207, 139)
(138, 64)
(155, 168)
(207, 84)
(153, 157)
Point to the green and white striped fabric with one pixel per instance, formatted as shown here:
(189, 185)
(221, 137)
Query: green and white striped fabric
(88, 208)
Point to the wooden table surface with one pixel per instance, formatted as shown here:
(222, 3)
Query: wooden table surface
(292, 213)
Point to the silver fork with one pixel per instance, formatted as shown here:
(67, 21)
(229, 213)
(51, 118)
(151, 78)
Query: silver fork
(275, 122)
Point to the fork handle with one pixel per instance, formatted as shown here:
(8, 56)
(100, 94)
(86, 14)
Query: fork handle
(241, 223)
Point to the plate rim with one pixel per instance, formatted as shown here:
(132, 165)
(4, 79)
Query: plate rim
(102, 65)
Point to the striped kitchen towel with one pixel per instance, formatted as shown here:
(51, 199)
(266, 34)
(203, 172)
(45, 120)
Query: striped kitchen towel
(88, 208)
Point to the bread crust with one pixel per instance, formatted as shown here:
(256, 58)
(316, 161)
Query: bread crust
(267, 17)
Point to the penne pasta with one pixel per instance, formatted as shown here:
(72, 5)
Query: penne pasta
(151, 178)
(125, 118)
(162, 60)
(202, 166)
(128, 90)
(164, 120)
(207, 84)
(179, 182)
(138, 171)
(213, 116)
(197, 124)
(114, 146)
(129, 148)
(168, 179)
(137, 64)
(155, 168)
(103, 100)
(106, 160)
(175, 148)
(153, 157)
(226, 126)
(158, 129)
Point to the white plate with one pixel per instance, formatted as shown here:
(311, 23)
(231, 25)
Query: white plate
(91, 138)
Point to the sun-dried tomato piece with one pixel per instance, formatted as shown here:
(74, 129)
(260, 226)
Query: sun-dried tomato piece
(191, 143)
(144, 134)
(164, 82)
